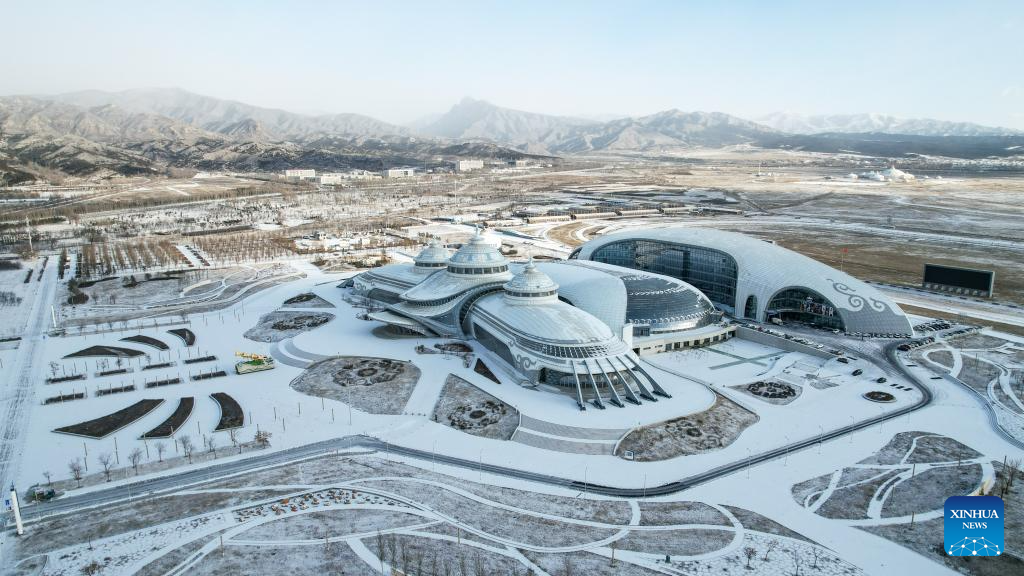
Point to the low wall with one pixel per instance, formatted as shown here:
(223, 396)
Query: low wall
(779, 342)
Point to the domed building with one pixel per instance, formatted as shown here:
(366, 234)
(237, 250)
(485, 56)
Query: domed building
(581, 338)
(751, 278)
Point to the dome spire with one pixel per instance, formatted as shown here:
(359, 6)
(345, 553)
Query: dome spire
(531, 285)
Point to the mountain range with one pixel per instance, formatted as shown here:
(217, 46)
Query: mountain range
(876, 123)
(148, 130)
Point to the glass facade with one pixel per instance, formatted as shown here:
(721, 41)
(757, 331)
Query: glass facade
(711, 271)
(477, 270)
(493, 344)
(805, 306)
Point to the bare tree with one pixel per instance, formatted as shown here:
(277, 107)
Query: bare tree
(263, 438)
(380, 549)
(566, 565)
(816, 552)
(211, 445)
(186, 446)
(772, 545)
(478, 565)
(92, 568)
(749, 552)
(797, 561)
(135, 456)
(106, 461)
(47, 475)
(160, 449)
(392, 547)
(75, 466)
(404, 558)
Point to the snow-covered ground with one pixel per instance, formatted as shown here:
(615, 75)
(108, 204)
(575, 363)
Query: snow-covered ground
(831, 398)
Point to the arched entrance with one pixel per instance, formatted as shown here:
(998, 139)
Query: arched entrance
(750, 308)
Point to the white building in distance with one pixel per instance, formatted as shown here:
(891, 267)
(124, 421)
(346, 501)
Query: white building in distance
(468, 165)
(330, 178)
(399, 173)
(301, 174)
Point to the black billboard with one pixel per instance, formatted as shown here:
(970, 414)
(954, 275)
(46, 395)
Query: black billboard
(980, 280)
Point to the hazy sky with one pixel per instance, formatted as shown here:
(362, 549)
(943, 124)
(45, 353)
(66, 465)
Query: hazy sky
(401, 60)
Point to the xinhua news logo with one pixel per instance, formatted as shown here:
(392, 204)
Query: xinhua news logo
(973, 526)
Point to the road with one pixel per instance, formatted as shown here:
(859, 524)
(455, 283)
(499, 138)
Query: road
(18, 391)
(165, 484)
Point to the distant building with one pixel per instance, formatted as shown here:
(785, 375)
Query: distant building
(519, 163)
(303, 174)
(468, 165)
(891, 174)
(330, 178)
(320, 241)
(399, 173)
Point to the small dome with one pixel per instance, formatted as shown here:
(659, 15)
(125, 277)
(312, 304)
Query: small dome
(531, 283)
(477, 254)
(433, 255)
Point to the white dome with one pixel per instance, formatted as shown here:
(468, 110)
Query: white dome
(433, 255)
(477, 253)
(531, 283)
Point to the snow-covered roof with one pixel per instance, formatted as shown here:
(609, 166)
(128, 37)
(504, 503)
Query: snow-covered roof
(444, 284)
(433, 253)
(478, 252)
(552, 321)
(531, 281)
(764, 269)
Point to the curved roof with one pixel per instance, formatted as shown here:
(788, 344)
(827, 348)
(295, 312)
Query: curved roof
(444, 284)
(531, 281)
(600, 294)
(619, 295)
(432, 253)
(478, 252)
(553, 321)
(766, 268)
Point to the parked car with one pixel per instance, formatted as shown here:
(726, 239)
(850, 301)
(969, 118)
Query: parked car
(881, 380)
(857, 372)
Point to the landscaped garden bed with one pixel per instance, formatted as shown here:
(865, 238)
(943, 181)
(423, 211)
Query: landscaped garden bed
(106, 425)
(280, 325)
(230, 412)
(465, 407)
(147, 340)
(118, 390)
(186, 335)
(64, 398)
(159, 383)
(200, 359)
(175, 421)
(100, 351)
(209, 375)
(70, 378)
(482, 369)
(112, 372)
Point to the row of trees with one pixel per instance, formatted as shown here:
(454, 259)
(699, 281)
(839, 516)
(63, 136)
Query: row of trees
(108, 460)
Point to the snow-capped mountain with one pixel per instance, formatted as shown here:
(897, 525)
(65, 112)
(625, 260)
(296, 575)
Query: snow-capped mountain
(230, 117)
(877, 123)
(476, 119)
